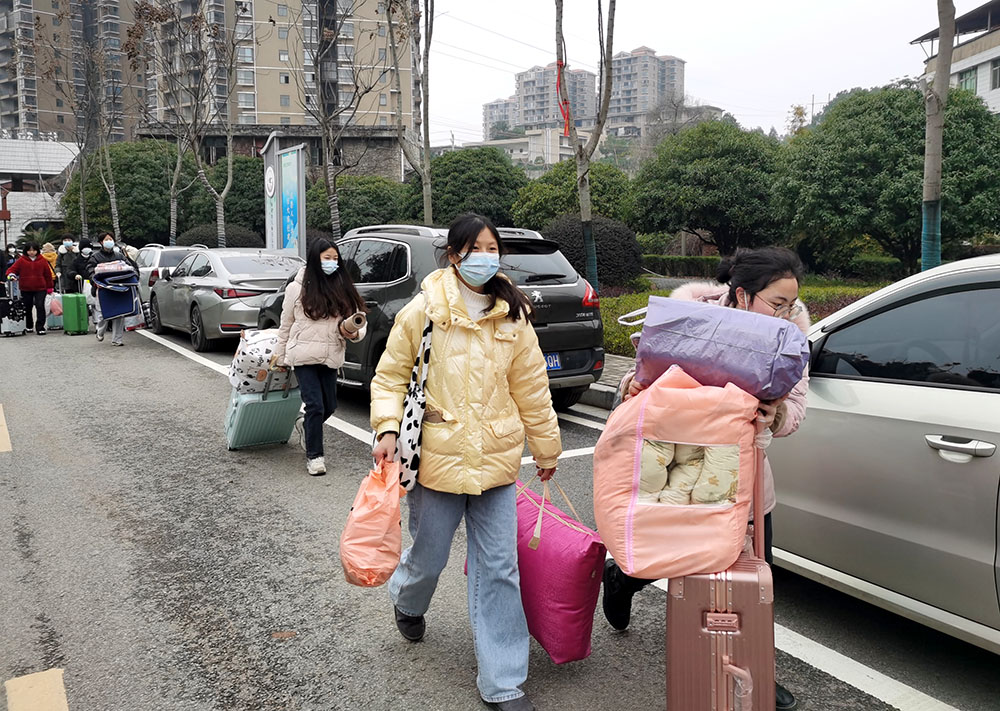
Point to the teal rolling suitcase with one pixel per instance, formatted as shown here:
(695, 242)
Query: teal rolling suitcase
(256, 419)
(75, 318)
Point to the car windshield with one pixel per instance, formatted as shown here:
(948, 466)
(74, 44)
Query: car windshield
(173, 257)
(535, 261)
(260, 264)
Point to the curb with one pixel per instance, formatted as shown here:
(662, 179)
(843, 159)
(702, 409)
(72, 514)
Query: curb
(598, 395)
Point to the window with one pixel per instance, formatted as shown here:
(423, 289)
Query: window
(383, 121)
(245, 54)
(995, 74)
(381, 30)
(383, 100)
(346, 98)
(967, 79)
(285, 120)
(182, 268)
(59, 103)
(55, 4)
(286, 100)
(284, 78)
(56, 21)
(345, 6)
(346, 51)
(347, 29)
(200, 267)
(282, 55)
(245, 76)
(248, 119)
(381, 54)
(60, 119)
(244, 30)
(245, 99)
(282, 10)
(378, 262)
(947, 339)
(282, 33)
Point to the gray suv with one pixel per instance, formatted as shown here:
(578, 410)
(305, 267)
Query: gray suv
(388, 262)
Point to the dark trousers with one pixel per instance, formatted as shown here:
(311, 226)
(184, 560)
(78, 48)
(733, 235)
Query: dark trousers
(637, 584)
(318, 385)
(36, 299)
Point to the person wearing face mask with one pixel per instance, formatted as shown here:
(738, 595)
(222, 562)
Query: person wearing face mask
(7, 257)
(64, 265)
(78, 270)
(312, 339)
(108, 252)
(486, 390)
(765, 281)
(35, 279)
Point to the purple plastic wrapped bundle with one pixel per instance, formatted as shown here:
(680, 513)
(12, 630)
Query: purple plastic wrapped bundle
(762, 355)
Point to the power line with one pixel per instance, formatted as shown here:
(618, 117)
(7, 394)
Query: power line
(470, 61)
(519, 67)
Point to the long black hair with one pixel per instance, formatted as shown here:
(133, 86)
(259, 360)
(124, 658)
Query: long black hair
(462, 234)
(756, 269)
(31, 246)
(328, 296)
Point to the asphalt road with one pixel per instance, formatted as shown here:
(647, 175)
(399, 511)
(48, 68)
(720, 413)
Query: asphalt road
(162, 571)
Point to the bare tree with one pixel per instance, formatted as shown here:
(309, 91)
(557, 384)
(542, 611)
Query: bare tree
(935, 100)
(418, 155)
(344, 81)
(193, 61)
(672, 115)
(584, 152)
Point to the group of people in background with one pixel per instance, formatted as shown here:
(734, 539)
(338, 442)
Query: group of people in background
(42, 269)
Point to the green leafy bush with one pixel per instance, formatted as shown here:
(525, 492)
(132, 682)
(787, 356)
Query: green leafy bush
(619, 261)
(676, 266)
(616, 336)
(655, 242)
(236, 236)
(872, 268)
(555, 193)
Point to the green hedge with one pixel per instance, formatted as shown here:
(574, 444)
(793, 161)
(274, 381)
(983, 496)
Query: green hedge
(655, 243)
(872, 268)
(676, 266)
(820, 300)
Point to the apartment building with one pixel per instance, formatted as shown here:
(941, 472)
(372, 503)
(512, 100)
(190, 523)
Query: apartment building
(975, 63)
(541, 147)
(501, 111)
(641, 81)
(538, 99)
(50, 52)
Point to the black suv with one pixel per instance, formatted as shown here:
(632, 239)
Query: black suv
(388, 262)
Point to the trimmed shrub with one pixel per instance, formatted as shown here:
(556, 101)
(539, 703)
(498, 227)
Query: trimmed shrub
(236, 236)
(872, 268)
(616, 336)
(619, 260)
(675, 266)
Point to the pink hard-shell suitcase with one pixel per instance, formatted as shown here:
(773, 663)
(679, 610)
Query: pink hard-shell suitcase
(720, 631)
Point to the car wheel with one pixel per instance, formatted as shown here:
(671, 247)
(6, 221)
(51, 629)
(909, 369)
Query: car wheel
(565, 398)
(155, 324)
(198, 340)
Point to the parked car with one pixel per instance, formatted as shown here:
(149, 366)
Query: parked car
(155, 260)
(388, 262)
(216, 293)
(889, 491)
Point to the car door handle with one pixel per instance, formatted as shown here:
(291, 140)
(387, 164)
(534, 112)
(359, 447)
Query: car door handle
(948, 443)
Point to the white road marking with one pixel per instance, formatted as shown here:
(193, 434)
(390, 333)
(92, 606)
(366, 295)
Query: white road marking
(5, 445)
(591, 411)
(43, 691)
(827, 660)
(581, 421)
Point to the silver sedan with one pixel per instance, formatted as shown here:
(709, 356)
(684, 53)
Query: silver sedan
(216, 293)
(889, 491)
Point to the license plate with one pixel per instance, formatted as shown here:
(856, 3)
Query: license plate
(552, 361)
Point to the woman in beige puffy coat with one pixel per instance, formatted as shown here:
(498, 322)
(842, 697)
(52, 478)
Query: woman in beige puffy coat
(487, 390)
(312, 339)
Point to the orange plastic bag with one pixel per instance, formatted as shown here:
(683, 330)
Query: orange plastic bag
(373, 537)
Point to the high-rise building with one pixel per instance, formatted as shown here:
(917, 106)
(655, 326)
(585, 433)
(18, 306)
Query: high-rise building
(62, 67)
(501, 111)
(538, 99)
(640, 82)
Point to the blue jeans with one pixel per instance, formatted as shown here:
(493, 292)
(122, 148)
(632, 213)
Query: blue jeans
(499, 629)
(318, 385)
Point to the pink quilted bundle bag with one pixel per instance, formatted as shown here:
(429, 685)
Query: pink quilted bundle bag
(673, 477)
(560, 562)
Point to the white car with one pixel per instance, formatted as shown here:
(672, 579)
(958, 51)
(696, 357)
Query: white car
(889, 490)
(155, 261)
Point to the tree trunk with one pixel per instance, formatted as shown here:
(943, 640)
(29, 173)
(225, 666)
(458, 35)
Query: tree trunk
(172, 240)
(935, 100)
(332, 202)
(84, 230)
(220, 220)
(109, 183)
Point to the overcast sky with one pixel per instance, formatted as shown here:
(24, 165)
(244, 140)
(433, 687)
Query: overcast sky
(753, 59)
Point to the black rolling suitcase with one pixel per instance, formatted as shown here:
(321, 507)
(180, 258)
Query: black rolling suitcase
(12, 321)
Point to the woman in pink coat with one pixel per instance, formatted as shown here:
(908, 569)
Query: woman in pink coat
(765, 281)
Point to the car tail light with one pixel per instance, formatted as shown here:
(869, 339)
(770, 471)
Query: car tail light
(231, 326)
(590, 299)
(599, 365)
(153, 276)
(235, 293)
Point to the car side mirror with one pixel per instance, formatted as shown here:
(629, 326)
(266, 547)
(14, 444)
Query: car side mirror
(166, 275)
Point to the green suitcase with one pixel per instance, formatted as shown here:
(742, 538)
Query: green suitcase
(75, 318)
(255, 419)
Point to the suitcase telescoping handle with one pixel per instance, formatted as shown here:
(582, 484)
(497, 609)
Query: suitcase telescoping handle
(267, 386)
(758, 504)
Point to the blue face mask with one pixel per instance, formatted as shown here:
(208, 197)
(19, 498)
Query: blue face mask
(479, 267)
(107, 244)
(329, 266)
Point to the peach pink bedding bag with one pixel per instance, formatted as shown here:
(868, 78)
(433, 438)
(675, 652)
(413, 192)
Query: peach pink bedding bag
(667, 540)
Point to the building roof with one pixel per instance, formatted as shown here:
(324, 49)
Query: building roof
(985, 18)
(30, 158)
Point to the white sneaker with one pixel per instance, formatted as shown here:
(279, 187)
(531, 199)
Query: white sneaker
(316, 466)
(300, 429)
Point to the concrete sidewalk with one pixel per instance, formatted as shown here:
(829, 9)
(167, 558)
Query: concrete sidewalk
(602, 394)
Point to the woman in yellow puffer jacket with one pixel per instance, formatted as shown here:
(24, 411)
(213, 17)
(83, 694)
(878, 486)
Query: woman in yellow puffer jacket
(487, 390)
